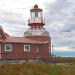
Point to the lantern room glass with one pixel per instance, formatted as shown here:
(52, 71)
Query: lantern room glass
(35, 15)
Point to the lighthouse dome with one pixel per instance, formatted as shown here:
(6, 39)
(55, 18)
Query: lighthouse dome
(35, 6)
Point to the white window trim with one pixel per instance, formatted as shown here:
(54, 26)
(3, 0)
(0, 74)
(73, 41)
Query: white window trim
(25, 49)
(10, 47)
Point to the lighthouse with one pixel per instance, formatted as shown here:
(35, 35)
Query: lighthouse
(37, 32)
(36, 23)
(33, 46)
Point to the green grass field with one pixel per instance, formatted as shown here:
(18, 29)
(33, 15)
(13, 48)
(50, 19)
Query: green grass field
(37, 69)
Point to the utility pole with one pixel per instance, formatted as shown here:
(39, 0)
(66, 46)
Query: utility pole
(53, 55)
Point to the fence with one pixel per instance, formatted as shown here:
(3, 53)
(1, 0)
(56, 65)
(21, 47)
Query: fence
(24, 57)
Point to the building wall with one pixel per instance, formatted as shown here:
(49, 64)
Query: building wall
(46, 45)
(0, 50)
(40, 51)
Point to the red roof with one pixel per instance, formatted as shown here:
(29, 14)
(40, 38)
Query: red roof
(35, 9)
(23, 40)
(2, 33)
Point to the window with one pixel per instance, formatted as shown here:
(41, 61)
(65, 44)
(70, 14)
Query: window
(8, 47)
(36, 14)
(27, 48)
(32, 15)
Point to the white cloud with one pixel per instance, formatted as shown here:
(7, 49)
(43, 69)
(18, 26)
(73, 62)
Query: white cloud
(61, 23)
(63, 49)
(14, 14)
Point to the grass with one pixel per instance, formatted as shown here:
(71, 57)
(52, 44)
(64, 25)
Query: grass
(37, 69)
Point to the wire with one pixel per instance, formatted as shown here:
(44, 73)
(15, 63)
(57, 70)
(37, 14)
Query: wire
(16, 8)
(23, 8)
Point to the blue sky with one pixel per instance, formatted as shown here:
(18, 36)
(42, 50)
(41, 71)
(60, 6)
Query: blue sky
(59, 16)
(64, 54)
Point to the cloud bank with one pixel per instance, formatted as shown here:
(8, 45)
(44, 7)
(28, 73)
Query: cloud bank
(61, 23)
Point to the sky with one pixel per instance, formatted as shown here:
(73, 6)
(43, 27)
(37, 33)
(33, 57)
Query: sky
(59, 16)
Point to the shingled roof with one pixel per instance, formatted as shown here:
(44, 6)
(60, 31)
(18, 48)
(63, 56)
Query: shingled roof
(3, 35)
(23, 40)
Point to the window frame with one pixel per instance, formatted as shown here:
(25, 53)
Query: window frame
(6, 46)
(25, 48)
(36, 14)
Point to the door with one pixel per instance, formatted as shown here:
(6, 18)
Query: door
(0, 50)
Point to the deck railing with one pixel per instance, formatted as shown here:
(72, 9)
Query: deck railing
(36, 20)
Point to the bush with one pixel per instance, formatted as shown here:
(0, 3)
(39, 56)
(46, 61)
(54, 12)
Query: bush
(37, 69)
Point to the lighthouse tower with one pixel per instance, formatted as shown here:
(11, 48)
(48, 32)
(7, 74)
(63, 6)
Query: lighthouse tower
(37, 32)
(36, 23)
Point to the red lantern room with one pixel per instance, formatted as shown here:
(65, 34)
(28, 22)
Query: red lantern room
(36, 17)
(36, 23)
